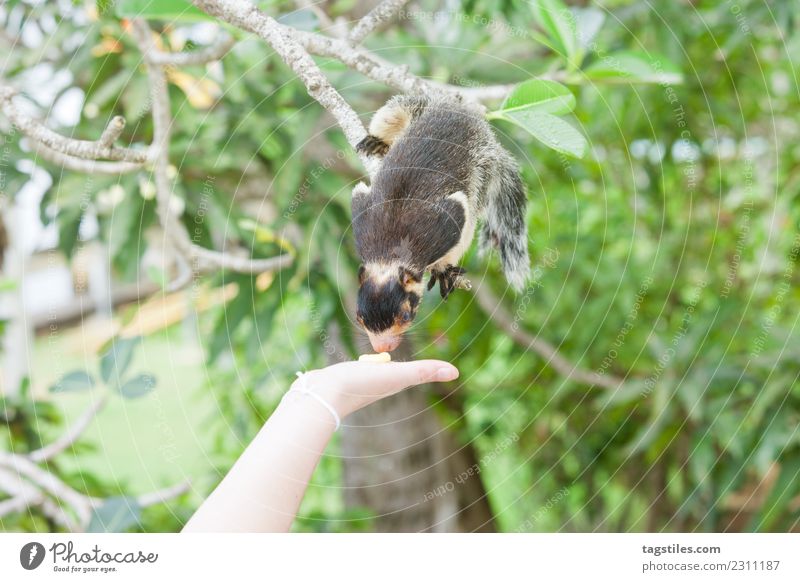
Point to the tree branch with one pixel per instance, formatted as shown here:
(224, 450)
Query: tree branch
(397, 77)
(87, 150)
(200, 258)
(376, 18)
(492, 306)
(163, 495)
(37, 482)
(26, 495)
(202, 56)
(283, 40)
(49, 483)
(71, 435)
(85, 166)
(112, 131)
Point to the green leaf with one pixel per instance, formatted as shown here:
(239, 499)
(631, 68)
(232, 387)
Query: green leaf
(634, 67)
(588, 21)
(138, 386)
(116, 359)
(558, 22)
(538, 95)
(552, 131)
(168, 10)
(116, 514)
(73, 382)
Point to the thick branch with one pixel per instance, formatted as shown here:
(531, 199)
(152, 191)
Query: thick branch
(200, 258)
(202, 56)
(495, 310)
(376, 18)
(87, 150)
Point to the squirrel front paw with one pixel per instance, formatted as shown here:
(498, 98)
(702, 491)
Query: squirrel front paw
(450, 278)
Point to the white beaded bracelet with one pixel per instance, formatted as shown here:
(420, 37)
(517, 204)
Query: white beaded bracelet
(304, 389)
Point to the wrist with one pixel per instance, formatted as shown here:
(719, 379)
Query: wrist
(324, 394)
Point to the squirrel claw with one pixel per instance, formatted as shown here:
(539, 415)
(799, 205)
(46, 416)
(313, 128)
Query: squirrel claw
(462, 283)
(450, 279)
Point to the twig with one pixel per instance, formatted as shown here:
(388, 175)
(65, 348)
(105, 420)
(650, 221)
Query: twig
(87, 150)
(163, 495)
(325, 20)
(112, 131)
(85, 166)
(71, 435)
(374, 19)
(202, 56)
(494, 309)
(200, 258)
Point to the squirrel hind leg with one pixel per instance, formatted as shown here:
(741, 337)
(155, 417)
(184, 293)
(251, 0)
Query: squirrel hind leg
(390, 122)
(373, 146)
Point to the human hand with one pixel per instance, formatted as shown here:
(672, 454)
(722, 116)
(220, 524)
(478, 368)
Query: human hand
(350, 386)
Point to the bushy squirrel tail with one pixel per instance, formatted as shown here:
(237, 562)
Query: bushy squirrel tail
(504, 227)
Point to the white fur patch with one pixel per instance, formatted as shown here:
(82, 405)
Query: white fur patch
(454, 255)
(461, 198)
(382, 272)
(361, 189)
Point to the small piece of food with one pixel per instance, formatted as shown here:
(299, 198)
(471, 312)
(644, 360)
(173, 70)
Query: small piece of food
(381, 358)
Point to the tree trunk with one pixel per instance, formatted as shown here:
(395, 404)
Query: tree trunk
(403, 466)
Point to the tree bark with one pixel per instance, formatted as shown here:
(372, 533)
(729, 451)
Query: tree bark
(402, 465)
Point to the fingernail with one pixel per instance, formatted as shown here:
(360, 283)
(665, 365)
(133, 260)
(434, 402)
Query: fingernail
(446, 374)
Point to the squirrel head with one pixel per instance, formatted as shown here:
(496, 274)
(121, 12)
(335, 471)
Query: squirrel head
(388, 298)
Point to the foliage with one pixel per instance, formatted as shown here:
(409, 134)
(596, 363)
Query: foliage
(674, 226)
(26, 418)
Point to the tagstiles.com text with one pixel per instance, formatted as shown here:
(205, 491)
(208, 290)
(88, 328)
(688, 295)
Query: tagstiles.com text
(676, 550)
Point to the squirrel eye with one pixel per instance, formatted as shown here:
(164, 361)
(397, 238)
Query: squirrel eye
(406, 317)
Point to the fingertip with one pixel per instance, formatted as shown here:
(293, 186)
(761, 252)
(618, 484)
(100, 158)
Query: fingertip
(441, 371)
(446, 373)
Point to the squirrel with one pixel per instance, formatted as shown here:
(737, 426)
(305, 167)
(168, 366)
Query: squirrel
(441, 171)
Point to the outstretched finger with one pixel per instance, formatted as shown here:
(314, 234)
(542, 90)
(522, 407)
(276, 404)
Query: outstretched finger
(399, 375)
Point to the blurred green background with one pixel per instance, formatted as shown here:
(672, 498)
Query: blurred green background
(665, 260)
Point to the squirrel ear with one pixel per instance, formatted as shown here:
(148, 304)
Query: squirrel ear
(362, 275)
(407, 277)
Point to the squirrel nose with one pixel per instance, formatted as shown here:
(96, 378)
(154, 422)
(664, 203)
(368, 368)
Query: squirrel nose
(385, 344)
